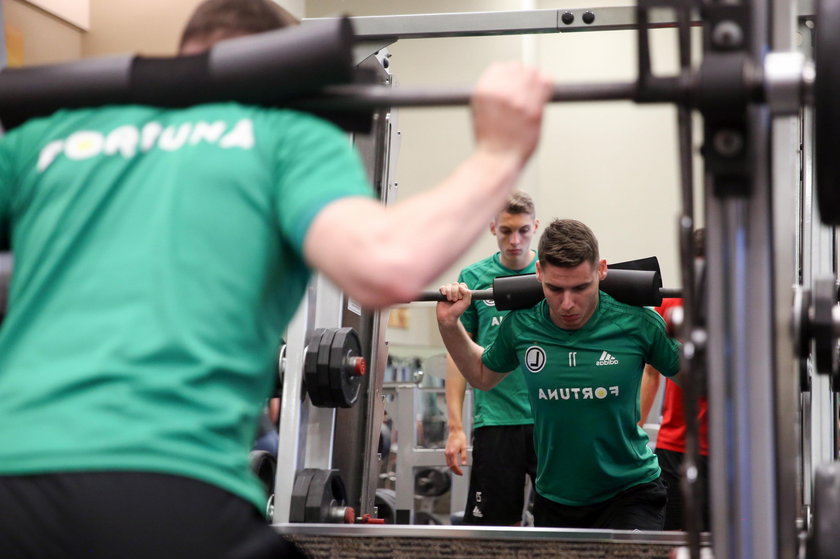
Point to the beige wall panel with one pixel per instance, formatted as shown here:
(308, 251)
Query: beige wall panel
(76, 12)
(46, 38)
(150, 27)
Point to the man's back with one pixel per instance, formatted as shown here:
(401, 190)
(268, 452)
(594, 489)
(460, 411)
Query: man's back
(158, 257)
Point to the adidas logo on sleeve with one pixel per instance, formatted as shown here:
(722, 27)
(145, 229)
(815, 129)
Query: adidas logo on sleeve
(606, 359)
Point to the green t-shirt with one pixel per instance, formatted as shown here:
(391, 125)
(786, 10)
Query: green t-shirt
(158, 258)
(507, 402)
(584, 389)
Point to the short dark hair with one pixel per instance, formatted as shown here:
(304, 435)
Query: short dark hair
(568, 243)
(220, 19)
(519, 202)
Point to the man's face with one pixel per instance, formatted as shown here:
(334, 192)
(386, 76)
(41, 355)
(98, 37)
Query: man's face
(514, 233)
(571, 293)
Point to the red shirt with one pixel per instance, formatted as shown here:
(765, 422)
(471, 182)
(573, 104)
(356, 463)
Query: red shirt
(672, 430)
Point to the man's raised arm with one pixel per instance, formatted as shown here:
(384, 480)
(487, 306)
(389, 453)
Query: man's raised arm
(464, 352)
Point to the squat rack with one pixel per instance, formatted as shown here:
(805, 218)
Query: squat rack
(754, 403)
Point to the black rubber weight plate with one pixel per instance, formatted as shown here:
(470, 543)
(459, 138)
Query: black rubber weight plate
(310, 368)
(827, 109)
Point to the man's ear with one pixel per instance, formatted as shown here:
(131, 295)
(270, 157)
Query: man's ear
(602, 269)
(539, 271)
(493, 227)
(536, 224)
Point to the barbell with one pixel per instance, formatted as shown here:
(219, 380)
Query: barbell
(641, 288)
(311, 68)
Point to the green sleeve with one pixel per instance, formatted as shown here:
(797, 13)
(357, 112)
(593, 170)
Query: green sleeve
(663, 351)
(315, 165)
(470, 317)
(500, 355)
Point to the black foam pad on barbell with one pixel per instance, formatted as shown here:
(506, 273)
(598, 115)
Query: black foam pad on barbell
(634, 287)
(269, 69)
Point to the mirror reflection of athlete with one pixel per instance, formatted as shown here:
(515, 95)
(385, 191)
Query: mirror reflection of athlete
(159, 255)
(503, 455)
(582, 355)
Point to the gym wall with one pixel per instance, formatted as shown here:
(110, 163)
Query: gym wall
(150, 27)
(44, 38)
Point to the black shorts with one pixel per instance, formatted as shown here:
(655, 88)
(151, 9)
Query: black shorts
(641, 507)
(502, 457)
(670, 463)
(130, 515)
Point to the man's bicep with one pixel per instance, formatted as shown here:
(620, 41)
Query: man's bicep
(331, 248)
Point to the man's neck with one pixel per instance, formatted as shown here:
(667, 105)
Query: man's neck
(519, 263)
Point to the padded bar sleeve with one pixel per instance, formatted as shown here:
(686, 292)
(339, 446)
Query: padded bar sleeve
(266, 69)
(634, 287)
(285, 64)
(41, 90)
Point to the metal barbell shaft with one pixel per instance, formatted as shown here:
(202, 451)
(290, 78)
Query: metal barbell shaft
(487, 294)
(784, 80)
(359, 97)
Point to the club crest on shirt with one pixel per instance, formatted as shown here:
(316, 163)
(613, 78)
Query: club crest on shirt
(535, 359)
(490, 302)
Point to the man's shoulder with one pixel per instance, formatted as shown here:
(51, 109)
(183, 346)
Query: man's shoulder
(617, 310)
(531, 315)
(481, 270)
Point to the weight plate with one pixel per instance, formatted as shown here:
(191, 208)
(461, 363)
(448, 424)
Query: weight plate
(300, 491)
(310, 368)
(827, 109)
(263, 465)
(826, 511)
(344, 383)
(431, 482)
(324, 349)
(326, 491)
(822, 327)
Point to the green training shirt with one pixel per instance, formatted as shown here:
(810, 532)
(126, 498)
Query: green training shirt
(158, 258)
(584, 389)
(507, 402)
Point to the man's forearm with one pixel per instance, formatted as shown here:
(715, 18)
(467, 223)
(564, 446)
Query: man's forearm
(456, 387)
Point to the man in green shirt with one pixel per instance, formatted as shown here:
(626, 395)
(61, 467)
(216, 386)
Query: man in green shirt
(503, 429)
(581, 354)
(159, 255)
